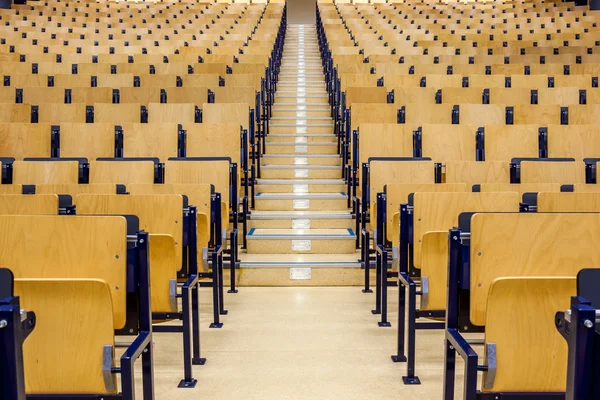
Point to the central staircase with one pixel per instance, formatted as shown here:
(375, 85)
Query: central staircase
(301, 230)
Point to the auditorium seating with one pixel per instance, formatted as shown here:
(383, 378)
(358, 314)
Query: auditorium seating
(497, 99)
(97, 98)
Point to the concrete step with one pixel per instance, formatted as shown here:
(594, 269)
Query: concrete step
(300, 185)
(304, 241)
(301, 128)
(300, 201)
(302, 148)
(301, 112)
(301, 220)
(300, 160)
(300, 171)
(300, 138)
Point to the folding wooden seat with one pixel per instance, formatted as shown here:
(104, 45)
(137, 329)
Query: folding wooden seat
(21, 80)
(201, 80)
(529, 81)
(51, 68)
(41, 95)
(115, 81)
(192, 95)
(210, 69)
(91, 95)
(213, 140)
(564, 96)
(414, 95)
(239, 94)
(158, 215)
(117, 113)
(366, 95)
(60, 113)
(150, 140)
(143, 96)
(87, 140)
(576, 81)
(21, 140)
(402, 81)
(39, 171)
(477, 172)
(505, 142)
(199, 195)
(226, 113)
(415, 115)
(573, 141)
(19, 204)
(173, 113)
(544, 279)
(583, 114)
(557, 202)
(78, 269)
(512, 96)
(449, 143)
(537, 114)
(564, 171)
(122, 171)
(160, 81)
(210, 171)
(461, 95)
(236, 80)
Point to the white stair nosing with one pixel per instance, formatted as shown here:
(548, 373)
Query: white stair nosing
(307, 166)
(303, 215)
(302, 144)
(299, 264)
(301, 196)
(300, 182)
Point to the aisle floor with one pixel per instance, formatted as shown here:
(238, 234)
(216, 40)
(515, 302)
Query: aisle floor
(299, 343)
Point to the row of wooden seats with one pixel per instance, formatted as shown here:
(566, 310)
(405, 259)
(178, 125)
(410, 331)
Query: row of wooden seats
(141, 96)
(118, 113)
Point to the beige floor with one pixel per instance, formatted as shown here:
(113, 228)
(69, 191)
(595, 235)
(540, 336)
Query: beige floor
(299, 343)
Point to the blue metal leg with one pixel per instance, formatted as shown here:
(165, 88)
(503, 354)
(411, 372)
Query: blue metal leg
(196, 359)
(186, 299)
(449, 371)
(410, 378)
(400, 357)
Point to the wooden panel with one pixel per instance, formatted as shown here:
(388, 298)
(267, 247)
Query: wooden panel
(198, 195)
(520, 187)
(381, 113)
(22, 140)
(171, 113)
(530, 353)
(68, 248)
(197, 172)
(115, 81)
(510, 96)
(123, 172)
(75, 317)
(191, 95)
(150, 140)
(158, 214)
(237, 113)
(61, 113)
(552, 172)
(578, 187)
(164, 265)
(143, 96)
(419, 114)
(584, 114)
(573, 141)
(462, 95)
(449, 143)
(201, 80)
(15, 113)
(87, 140)
(414, 95)
(434, 266)
(42, 204)
(568, 202)
(238, 94)
(11, 189)
(91, 95)
(536, 114)
(482, 114)
(366, 95)
(38, 172)
(519, 245)
(387, 172)
(565, 96)
(397, 194)
(214, 140)
(118, 113)
(476, 172)
(42, 95)
(384, 140)
(440, 211)
(505, 142)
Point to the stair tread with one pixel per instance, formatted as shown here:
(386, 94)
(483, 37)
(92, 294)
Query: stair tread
(282, 196)
(300, 214)
(287, 260)
(293, 181)
(257, 233)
